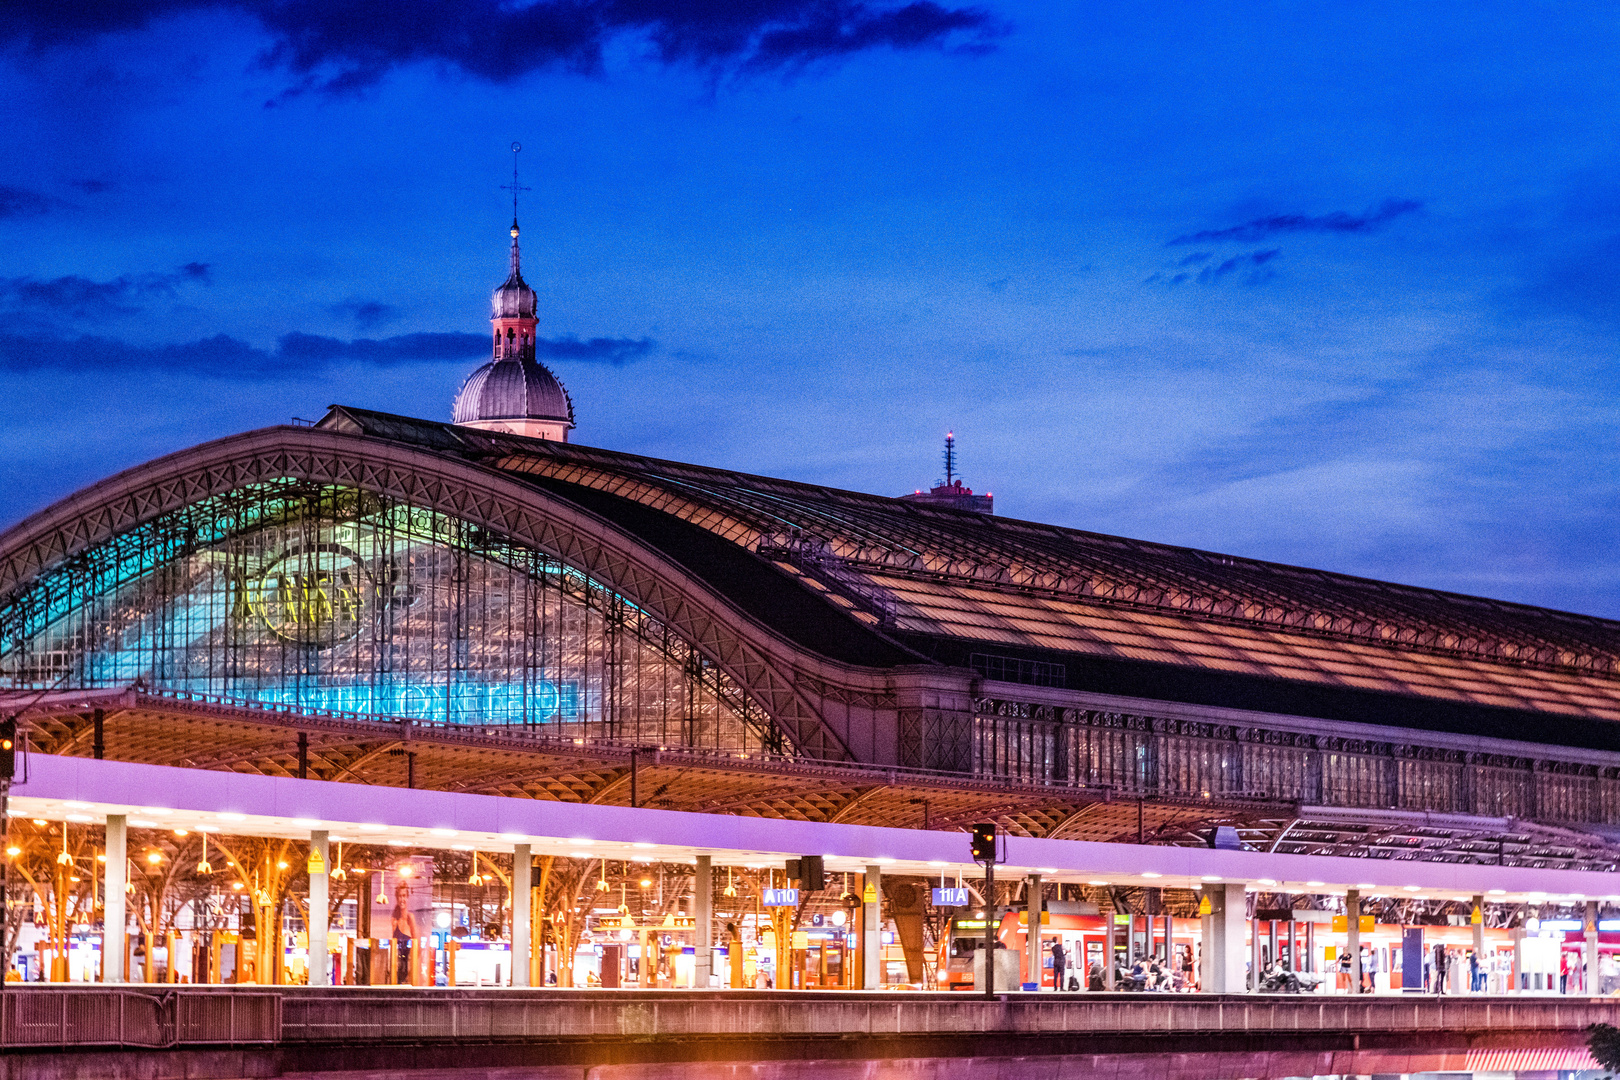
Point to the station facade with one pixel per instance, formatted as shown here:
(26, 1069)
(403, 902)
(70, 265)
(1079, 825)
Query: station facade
(484, 608)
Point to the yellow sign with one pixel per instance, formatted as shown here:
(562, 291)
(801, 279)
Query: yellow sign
(1046, 918)
(1476, 917)
(1368, 925)
(1330, 953)
(870, 896)
(317, 865)
(1341, 924)
(1204, 906)
(801, 939)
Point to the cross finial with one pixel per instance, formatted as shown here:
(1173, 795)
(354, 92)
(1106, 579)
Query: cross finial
(514, 187)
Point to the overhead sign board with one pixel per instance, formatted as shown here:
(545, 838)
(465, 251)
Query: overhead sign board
(951, 897)
(781, 898)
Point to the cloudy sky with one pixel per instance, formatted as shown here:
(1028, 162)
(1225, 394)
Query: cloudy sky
(1326, 284)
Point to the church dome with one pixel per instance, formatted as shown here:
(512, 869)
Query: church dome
(513, 388)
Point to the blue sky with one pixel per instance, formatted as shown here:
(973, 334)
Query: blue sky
(1332, 285)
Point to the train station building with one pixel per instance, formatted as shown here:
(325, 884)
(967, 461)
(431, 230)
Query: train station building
(385, 700)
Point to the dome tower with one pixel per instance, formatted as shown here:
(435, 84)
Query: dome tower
(514, 392)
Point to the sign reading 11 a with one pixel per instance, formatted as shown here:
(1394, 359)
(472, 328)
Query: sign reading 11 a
(957, 897)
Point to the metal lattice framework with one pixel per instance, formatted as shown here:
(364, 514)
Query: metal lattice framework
(748, 653)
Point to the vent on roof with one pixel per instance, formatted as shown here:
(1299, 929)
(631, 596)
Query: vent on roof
(1012, 669)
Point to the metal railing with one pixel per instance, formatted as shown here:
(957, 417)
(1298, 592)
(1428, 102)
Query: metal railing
(101, 1016)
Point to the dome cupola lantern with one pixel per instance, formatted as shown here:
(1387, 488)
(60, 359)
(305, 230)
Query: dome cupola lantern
(514, 392)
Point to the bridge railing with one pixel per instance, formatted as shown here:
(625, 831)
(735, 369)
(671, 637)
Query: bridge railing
(134, 1017)
(107, 1016)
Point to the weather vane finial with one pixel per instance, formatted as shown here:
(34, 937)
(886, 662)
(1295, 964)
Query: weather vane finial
(514, 187)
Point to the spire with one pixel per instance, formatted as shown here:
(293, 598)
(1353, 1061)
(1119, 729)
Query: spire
(514, 187)
(950, 458)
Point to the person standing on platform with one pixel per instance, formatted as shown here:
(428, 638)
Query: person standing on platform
(1059, 962)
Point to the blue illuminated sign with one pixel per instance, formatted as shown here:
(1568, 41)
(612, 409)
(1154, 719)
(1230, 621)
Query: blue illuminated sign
(951, 897)
(781, 898)
(469, 702)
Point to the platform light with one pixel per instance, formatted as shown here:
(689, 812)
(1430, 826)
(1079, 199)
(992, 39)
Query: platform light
(1313, 884)
(1098, 883)
(646, 883)
(443, 920)
(282, 865)
(1266, 881)
(513, 838)
(1412, 888)
(40, 821)
(1212, 877)
(938, 862)
(306, 823)
(1366, 885)
(373, 827)
(138, 824)
(1151, 874)
(14, 851)
(579, 854)
(399, 843)
(442, 832)
(1497, 892)
(76, 804)
(231, 817)
(182, 832)
(839, 917)
(582, 841)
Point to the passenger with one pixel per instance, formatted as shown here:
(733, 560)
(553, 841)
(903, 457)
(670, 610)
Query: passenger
(1094, 977)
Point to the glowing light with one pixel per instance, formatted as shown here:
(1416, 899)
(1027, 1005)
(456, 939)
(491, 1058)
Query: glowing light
(154, 857)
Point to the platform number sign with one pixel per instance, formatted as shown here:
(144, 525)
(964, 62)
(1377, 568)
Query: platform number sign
(781, 898)
(951, 897)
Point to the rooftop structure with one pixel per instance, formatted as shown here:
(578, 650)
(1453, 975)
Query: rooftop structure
(951, 492)
(514, 392)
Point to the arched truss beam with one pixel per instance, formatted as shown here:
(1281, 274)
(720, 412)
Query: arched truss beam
(764, 664)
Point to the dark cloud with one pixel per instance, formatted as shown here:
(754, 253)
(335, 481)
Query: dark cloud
(224, 357)
(81, 298)
(367, 314)
(615, 351)
(1253, 265)
(340, 45)
(20, 202)
(1277, 224)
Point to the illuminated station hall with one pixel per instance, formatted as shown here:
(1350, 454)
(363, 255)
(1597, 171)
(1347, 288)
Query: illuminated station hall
(382, 701)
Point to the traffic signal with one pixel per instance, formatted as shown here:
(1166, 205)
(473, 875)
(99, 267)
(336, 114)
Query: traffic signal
(8, 748)
(984, 842)
(809, 872)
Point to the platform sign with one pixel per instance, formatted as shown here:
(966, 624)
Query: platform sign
(870, 896)
(316, 864)
(951, 898)
(781, 898)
